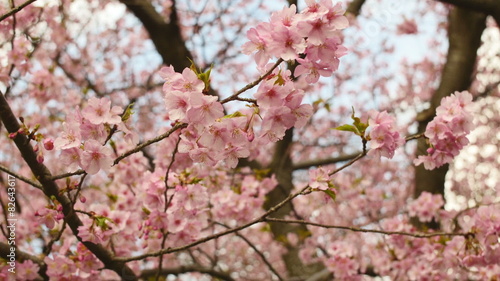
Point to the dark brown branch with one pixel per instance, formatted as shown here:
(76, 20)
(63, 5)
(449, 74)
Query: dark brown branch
(16, 9)
(489, 7)
(322, 162)
(253, 84)
(166, 37)
(51, 189)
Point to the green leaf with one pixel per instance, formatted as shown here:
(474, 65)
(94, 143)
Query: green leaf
(347, 128)
(101, 222)
(357, 127)
(234, 115)
(145, 210)
(360, 126)
(128, 112)
(330, 193)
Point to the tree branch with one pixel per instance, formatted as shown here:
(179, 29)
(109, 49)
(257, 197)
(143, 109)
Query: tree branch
(24, 179)
(149, 142)
(326, 161)
(357, 229)
(489, 7)
(166, 37)
(16, 9)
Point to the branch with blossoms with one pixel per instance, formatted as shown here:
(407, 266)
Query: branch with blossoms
(342, 158)
(51, 189)
(303, 191)
(217, 235)
(253, 84)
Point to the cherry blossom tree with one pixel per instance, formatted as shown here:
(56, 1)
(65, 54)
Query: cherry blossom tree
(249, 140)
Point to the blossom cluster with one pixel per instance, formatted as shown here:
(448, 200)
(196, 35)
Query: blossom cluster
(82, 141)
(310, 37)
(447, 132)
(384, 137)
(426, 206)
(487, 231)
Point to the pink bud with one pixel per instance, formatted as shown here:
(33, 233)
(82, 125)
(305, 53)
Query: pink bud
(83, 199)
(13, 135)
(48, 144)
(39, 158)
(250, 135)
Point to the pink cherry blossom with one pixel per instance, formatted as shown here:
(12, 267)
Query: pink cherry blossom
(205, 110)
(99, 111)
(319, 178)
(96, 157)
(177, 104)
(70, 137)
(313, 70)
(287, 43)
(259, 38)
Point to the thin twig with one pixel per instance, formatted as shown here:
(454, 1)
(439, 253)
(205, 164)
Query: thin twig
(253, 84)
(357, 229)
(149, 142)
(24, 179)
(256, 250)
